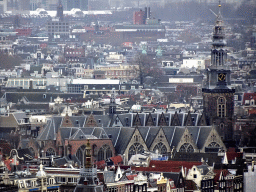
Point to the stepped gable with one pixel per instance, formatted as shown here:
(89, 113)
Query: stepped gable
(91, 122)
(176, 119)
(66, 122)
(202, 120)
(149, 121)
(137, 120)
(162, 120)
(148, 134)
(188, 121)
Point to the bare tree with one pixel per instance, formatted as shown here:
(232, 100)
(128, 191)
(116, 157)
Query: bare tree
(147, 66)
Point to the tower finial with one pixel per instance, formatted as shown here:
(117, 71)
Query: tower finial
(219, 6)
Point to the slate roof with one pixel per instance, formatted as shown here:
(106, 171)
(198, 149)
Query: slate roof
(120, 136)
(209, 158)
(39, 97)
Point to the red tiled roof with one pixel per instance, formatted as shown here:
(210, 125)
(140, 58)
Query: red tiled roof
(131, 177)
(190, 185)
(8, 164)
(6, 147)
(232, 155)
(249, 96)
(157, 169)
(218, 172)
(101, 164)
(173, 164)
(117, 160)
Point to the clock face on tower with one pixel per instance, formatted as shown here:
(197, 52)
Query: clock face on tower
(221, 76)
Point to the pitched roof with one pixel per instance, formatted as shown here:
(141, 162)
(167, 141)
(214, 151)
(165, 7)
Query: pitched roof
(173, 164)
(190, 185)
(233, 155)
(249, 96)
(220, 172)
(117, 159)
(131, 177)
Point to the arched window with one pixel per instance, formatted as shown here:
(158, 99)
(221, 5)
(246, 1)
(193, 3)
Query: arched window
(221, 107)
(214, 145)
(187, 148)
(50, 152)
(80, 154)
(104, 153)
(136, 148)
(94, 150)
(160, 148)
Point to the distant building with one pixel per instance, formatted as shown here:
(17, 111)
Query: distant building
(79, 4)
(58, 28)
(139, 17)
(3, 6)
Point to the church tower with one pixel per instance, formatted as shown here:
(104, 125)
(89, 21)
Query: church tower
(112, 105)
(218, 97)
(60, 11)
(88, 175)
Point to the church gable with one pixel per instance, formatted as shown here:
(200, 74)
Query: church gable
(175, 120)
(213, 142)
(90, 121)
(162, 120)
(160, 143)
(66, 122)
(150, 121)
(188, 121)
(202, 120)
(137, 121)
(187, 143)
(117, 122)
(136, 144)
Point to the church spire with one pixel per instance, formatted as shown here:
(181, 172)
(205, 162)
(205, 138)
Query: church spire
(60, 10)
(218, 53)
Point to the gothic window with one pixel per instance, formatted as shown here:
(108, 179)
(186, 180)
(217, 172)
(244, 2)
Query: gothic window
(214, 145)
(221, 107)
(222, 125)
(104, 153)
(50, 152)
(136, 148)
(160, 148)
(94, 150)
(186, 148)
(80, 154)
